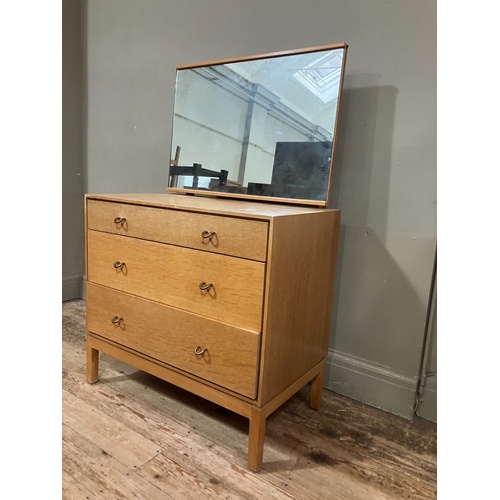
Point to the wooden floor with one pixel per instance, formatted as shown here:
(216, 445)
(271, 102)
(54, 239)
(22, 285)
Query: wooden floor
(134, 436)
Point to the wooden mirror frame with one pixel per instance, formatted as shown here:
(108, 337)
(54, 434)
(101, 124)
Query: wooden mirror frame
(294, 201)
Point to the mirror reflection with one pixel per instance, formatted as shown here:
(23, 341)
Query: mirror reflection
(262, 127)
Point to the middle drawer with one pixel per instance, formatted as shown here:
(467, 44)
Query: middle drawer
(225, 288)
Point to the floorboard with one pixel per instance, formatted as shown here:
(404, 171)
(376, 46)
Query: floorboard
(132, 435)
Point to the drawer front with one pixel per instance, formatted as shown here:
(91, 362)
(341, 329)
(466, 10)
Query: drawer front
(171, 335)
(231, 236)
(173, 275)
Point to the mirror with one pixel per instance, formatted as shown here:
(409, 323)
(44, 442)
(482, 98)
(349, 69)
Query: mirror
(262, 127)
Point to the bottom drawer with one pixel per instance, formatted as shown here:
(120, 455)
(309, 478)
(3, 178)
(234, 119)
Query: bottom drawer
(170, 335)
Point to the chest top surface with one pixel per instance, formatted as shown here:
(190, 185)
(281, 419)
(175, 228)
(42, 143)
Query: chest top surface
(235, 208)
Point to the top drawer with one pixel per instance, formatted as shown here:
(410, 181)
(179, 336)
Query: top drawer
(214, 233)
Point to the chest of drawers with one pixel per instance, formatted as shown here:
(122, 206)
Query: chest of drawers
(229, 300)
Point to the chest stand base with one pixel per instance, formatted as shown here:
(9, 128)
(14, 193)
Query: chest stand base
(257, 415)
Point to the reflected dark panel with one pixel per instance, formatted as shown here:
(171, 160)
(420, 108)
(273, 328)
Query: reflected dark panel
(300, 171)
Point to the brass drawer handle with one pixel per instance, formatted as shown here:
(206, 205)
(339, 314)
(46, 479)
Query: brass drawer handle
(116, 320)
(119, 220)
(118, 264)
(207, 235)
(205, 286)
(197, 352)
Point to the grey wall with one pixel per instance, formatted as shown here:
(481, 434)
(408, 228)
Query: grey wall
(72, 152)
(385, 177)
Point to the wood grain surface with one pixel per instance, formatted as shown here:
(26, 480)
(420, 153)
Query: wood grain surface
(172, 275)
(299, 297)
(232, 236)
(171, 335)
(266, 56)
(202, 204)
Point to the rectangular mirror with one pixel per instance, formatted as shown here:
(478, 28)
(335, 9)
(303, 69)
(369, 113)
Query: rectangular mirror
(260, 127)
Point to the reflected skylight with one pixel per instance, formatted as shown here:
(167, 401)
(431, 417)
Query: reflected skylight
(322, 77)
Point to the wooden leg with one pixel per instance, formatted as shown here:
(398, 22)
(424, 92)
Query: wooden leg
(256, 438)
(317, 388)
(92, 363)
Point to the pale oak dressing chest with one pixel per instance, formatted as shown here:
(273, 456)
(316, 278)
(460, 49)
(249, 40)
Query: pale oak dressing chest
(230, 300)
(228, 293)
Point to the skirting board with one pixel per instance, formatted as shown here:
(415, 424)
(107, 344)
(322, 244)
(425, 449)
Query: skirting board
(428, 405)
(72, 287)
(371, 384)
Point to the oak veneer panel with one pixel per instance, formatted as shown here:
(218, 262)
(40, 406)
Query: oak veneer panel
(233, 208)
(299, 296)
(310, 376)
(233, 236)
(231, 401)
(172, 275)
(171, 335)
